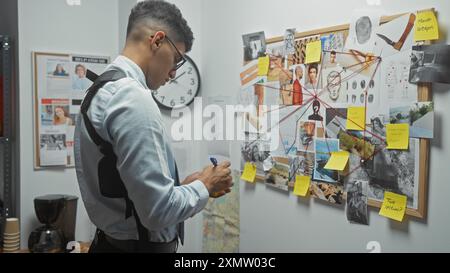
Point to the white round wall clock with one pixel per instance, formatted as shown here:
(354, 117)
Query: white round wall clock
(182, 90)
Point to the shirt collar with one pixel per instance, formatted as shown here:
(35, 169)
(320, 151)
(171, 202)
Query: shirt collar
(130, 68)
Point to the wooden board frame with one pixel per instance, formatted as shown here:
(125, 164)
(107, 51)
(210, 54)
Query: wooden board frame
(36, 110)
(36, 128)
(424, 94)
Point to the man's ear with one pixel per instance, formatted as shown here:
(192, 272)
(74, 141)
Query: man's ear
(157, 39)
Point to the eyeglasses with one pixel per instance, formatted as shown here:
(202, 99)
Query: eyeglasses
(181, 58)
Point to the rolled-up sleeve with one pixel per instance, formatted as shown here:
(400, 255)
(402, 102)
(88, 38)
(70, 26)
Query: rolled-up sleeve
(133, 125)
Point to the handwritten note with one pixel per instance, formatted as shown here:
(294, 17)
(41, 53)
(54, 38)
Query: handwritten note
(397, 136)
(249, 173)
(301, 186)
(426, 26)
(313, 52)
(263, 66)
(394, 206)
(356, 118)
(337, 161)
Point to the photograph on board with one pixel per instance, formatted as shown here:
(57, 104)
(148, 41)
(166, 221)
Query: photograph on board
(256, 150)
(329, 192)
(419, 116)
(302, 164)
(299, 55)
(356, 209)
(53, 150)
(278, 175)
(389, 170)
(324, 147)
(430, 63)
(254, 46)
(362, 32)
(307, 133)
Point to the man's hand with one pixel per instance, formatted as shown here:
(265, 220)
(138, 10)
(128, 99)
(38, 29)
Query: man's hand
(217, 179)
(220, 194)
(191, 178)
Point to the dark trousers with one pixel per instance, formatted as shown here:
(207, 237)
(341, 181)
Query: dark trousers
(102, 244)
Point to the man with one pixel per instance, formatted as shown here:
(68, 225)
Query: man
(333, 57)
(312, 77)
(332, 60)
(140, 207)
(297, 87)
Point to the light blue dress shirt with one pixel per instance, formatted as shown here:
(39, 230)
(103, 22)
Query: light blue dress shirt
(125, 114)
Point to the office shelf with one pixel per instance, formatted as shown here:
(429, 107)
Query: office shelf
(6, 69)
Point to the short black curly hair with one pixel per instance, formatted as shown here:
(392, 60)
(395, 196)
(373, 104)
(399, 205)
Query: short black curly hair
(159, 15)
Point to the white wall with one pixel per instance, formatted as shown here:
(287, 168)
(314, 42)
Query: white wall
(275, 222)
(53, 26)
(193, 157)
(125, 7)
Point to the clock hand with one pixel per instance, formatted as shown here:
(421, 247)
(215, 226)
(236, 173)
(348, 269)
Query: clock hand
(174, 80)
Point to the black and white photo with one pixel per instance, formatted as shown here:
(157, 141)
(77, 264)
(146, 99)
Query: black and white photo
(389, 170)
(256, 151)
(254, 45)
(53, 148)
(357, 202)
(430, 64)
(54, 142)
(362, 31)
(289, 41)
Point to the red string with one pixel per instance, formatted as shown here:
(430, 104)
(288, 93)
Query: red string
(316, 96)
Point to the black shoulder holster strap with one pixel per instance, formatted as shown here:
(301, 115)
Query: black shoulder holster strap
(110, 183)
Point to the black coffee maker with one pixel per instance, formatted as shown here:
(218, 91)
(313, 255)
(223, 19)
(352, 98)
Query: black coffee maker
(58, 214)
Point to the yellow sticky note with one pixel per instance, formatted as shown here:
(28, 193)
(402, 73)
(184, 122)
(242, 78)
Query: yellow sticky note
(249, 173)
(397, 136)
(394, 206)
(263, 66)
(356, 118)
(337, 161)
(426, 26)
(313, 52)
(301, 186)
